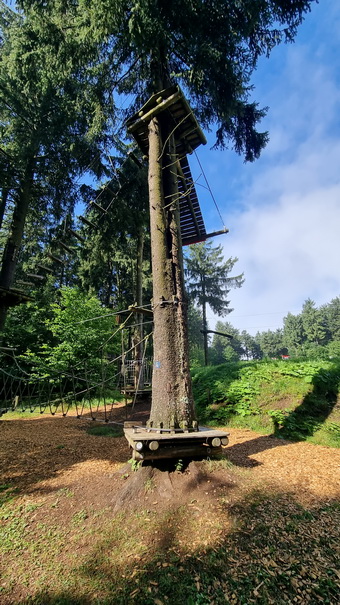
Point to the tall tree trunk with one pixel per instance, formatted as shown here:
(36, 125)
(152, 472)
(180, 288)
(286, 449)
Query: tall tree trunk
(172, 399)
(138, 331)
(205, 324)
(3, 203)
(12, 248)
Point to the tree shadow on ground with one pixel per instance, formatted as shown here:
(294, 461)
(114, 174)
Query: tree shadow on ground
(315, 408)
(38, 449)
(42, 446)
(240, 453)
(266, 548)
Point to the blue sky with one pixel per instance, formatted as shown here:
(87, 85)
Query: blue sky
(283, 211)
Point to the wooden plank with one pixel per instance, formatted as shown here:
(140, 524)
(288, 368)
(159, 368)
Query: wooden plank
(43, 268)
(56, 259)
(86, 221)
(143, 434)
(75, 234)
(193, 451)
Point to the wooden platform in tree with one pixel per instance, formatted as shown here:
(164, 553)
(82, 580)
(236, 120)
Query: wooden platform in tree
(149, 444)
(188, 136)
(13, 297)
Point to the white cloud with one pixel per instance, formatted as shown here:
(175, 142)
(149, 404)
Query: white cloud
(289, 252)
(285, 226)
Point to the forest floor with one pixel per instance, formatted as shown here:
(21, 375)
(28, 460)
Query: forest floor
(79, 526)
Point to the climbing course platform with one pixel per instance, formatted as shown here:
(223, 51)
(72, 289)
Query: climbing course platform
(152, 444)
(188, 136)
(13, 297)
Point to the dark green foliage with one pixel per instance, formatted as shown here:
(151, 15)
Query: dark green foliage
(196, 341)
(271, 343)
(78, 335)
(331, 317)
(208, 277)
(26, 326)
(208, 282)
(108, 258)
(225, 349)
(54, 107)
(74, 335)
(312, 334)
(211, 385)
(241, 346)
(313, 323)
(210, 47)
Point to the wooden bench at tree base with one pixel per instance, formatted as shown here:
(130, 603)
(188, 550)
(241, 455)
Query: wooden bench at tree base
(152, 444)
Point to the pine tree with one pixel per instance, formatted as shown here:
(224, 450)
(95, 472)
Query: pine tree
(313, 323)
(208, 281)
(196, 340)
(271, 343)
(111, 262)
(331, 315)
(224, 349)
(251, 349)
(293, 333)
(52, 110)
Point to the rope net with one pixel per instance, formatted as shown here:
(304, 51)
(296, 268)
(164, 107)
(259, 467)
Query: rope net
(93, 386)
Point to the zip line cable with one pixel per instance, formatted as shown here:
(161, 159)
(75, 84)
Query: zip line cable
(209, 188)
(101, 316)
(77, 365)
(121, 327)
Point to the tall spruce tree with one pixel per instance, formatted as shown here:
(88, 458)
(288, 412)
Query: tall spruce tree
(293, 333)
(271, 343)
(224, 349)
(331, 315)
(52, 104)
(313, 323)
(251, 349)
(112, 257)
(213, 47)
(208, 282)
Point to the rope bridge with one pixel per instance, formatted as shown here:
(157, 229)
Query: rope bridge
(91, 385)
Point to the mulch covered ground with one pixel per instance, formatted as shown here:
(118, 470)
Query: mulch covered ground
(63, 477)
(49, 450)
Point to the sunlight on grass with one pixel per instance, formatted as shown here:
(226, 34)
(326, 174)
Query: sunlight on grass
(265, 549)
